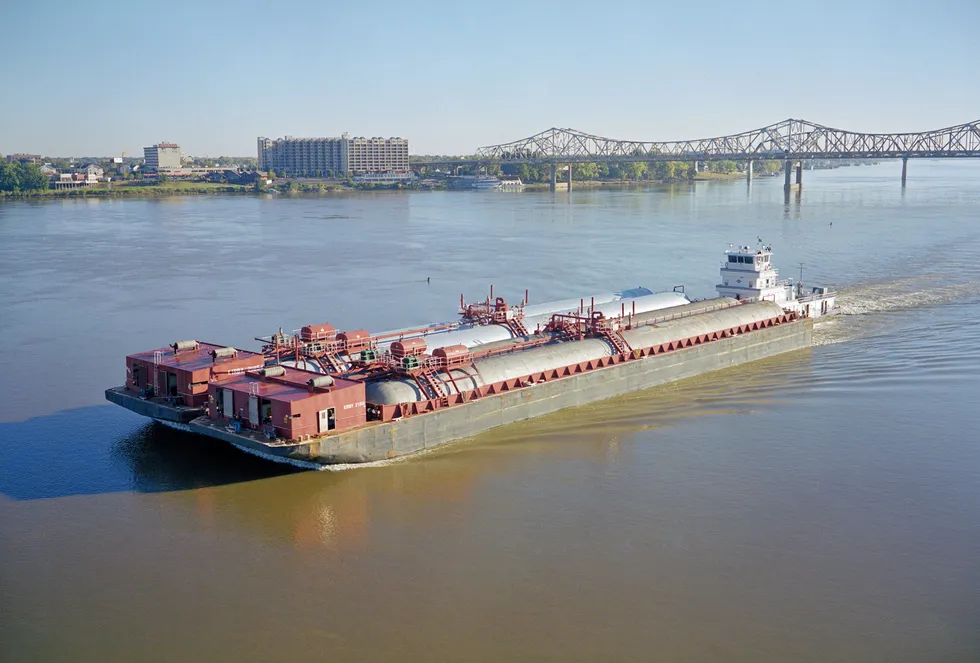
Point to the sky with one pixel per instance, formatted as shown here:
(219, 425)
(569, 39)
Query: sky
(101, 78)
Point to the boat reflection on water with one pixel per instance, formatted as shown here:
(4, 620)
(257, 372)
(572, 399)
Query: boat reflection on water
(338, 510)
(163, 459)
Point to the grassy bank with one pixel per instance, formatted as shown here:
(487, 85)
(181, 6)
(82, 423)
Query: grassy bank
(132, 190)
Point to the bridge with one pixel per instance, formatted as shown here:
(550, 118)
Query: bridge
(791, 141)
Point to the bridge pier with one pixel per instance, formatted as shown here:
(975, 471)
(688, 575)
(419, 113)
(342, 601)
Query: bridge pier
(554, 177)
(569, 177)
(905, 169)
(748, 171)
(790, 166)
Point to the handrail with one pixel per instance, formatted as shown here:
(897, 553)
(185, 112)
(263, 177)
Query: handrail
(687, 314)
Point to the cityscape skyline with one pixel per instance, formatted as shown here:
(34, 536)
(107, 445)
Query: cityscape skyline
(451, 78)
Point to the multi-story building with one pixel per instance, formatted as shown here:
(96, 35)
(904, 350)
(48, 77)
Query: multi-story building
(319, 157)
(24, 158)
(162, 157)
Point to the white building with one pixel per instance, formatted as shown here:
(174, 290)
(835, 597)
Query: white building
(319, 157)
(162, 157)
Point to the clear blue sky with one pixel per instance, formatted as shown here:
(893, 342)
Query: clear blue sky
(100, 78)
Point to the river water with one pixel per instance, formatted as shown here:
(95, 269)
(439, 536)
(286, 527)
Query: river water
(819, 506)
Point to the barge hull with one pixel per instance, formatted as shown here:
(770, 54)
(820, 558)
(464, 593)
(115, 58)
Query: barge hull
(412, 435)
(159, 411)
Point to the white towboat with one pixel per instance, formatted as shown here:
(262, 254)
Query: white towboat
(748, 274)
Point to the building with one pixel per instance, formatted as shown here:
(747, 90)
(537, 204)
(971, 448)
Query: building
(320, 157)
(72, 180)
(24, 158)
(377, 155)
(93, 171)
(162, 157)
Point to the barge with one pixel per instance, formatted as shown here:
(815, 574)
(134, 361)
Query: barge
(320, 397)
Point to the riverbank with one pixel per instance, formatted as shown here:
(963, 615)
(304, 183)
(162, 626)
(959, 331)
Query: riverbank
(135, 189)
(140, 190)
(132, 190)
(701, 177)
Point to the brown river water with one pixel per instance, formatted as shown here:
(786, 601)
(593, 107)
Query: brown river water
(823, 505)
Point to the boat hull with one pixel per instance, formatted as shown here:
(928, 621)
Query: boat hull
(417, 434)
(157, 409)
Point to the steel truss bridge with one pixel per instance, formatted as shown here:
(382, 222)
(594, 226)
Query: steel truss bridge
(790, 140)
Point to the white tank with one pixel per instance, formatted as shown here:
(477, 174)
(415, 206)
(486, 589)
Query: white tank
(550, 357)
(474, 335)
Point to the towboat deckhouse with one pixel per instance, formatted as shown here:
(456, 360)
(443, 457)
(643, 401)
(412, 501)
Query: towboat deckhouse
(748, 274)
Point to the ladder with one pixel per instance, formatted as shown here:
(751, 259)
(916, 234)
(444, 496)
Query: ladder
(429, 382)
(157, 358)
(616, 338)
(516, 325)
(334, 362)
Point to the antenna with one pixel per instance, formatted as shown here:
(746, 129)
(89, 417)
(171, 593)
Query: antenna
(799, 284)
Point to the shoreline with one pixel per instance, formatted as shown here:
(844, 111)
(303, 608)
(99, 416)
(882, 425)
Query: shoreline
(205, 188)
(702, 177)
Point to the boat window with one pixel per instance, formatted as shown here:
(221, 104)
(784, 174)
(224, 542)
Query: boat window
(732, 259)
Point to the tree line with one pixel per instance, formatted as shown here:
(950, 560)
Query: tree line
(16, 177)
(665, 171)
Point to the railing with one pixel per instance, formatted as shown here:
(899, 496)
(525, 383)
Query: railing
(687, 314)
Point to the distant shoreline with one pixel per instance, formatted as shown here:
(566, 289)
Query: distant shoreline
(132, 190)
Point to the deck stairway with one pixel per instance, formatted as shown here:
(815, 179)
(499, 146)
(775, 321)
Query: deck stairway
(428, 381)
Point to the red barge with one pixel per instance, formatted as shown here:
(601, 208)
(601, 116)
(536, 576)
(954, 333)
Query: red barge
(322, 397)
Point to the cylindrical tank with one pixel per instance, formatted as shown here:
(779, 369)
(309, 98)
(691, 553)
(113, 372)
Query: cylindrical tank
(320, 382)
(272, 371)
(356, 340)
(406, 347)
(303, 365)
(552, 356)
(317, 332)
(540, 314)
(181, 346)
(694, 308)
(221, 353)
(451, 354)
(565, 305)
(473, 336)
(704, 323)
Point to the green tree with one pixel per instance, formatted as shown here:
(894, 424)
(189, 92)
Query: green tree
(725, 167)
(31, 177)
(633, 170)
(16, 177)
(8, 178)
(163, 178)
(585, 171)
